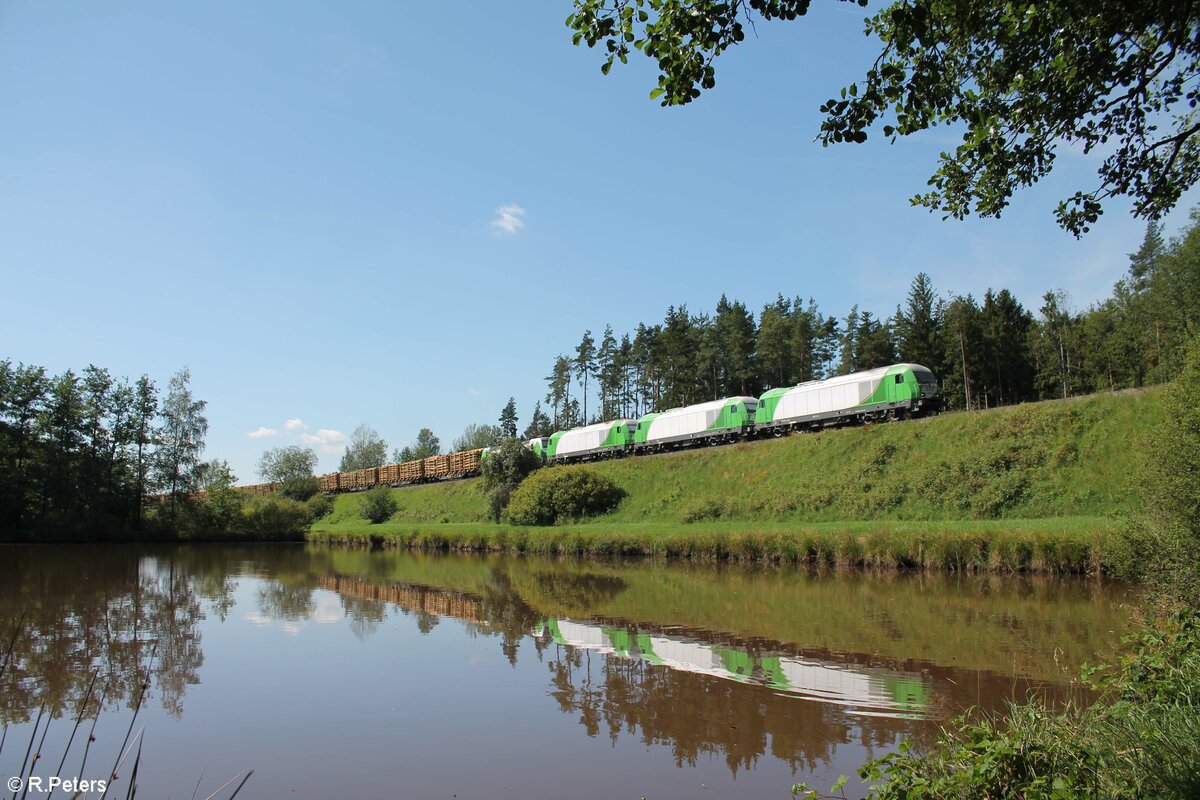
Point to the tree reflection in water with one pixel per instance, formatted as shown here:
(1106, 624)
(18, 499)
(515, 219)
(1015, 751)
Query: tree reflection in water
(101, 614)
(103, 609)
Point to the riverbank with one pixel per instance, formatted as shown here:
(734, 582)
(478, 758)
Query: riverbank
(1059, 458)
(1041, 487)
(1060, 544)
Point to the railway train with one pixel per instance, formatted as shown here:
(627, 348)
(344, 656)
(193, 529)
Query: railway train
(886, 393)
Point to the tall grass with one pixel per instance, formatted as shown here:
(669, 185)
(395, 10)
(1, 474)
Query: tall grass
(1057, 545)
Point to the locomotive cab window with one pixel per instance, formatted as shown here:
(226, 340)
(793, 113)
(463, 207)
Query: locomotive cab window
(899, 379)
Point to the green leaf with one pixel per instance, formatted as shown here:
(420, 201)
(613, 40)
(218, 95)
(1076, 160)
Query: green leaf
(656, 93)
(839, 783)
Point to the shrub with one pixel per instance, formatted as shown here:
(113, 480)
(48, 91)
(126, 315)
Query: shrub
(222, 509)
(702, 510)
(299, 488)
(1141, 738)
(378, 504)
(557, 495)
(1173, 491)
(506, 465)
(319, 506)
(275, 518)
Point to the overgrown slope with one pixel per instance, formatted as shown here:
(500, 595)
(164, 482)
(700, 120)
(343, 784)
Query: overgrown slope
(1072, 458)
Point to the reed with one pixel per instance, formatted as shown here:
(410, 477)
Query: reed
(1051, 546)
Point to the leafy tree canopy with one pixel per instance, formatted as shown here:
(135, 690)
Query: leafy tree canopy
(292, 468)
(1022, 78)
(425, 445)
(366, 449)
(477, 435)
(215, 474)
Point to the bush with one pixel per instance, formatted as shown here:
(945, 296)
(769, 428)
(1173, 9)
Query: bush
(299, 488)
(319, 506)
(275, 518)
(222, 509)
(1141, 738)
(558, 495)
(505, 467)
(378, 504)
(1173, 491)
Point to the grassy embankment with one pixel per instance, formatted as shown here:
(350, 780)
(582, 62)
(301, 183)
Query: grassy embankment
(1042, 486)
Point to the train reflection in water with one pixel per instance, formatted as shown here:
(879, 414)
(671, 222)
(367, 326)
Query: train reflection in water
(863, 691)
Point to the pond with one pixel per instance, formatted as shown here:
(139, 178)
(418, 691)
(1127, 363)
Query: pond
(336, 672)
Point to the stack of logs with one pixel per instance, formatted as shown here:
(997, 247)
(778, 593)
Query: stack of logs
(462, 464)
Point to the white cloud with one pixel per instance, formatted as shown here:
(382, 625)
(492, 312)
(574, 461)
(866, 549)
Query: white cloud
(327, 609)
(508, 218)
(474, 392)
(295, 425)
(326, 440)
(262, 433)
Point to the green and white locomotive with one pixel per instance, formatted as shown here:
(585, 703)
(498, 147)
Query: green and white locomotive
(875, 395)
(887, 393)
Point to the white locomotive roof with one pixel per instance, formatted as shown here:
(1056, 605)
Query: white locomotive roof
(707, 406)
(855, 377)
(597, 426)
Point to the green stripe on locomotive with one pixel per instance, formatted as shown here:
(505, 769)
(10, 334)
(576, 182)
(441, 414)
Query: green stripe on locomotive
(738, 663)
(621, 641)
(908, 693)
(539, 445)
(734, 414)
(891, 390)
(619, 435)
(773, 673)
(768, 402)
(643, 428)
(646, 648)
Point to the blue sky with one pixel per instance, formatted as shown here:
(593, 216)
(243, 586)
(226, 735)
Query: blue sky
(389, 213)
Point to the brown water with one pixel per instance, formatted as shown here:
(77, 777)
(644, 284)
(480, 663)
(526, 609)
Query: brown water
(338, 673)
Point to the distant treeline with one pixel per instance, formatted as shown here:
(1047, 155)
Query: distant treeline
(84, 451)
(994, 352)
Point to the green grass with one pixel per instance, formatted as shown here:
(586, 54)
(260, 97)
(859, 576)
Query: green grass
(1075, 544)
(1035, 487)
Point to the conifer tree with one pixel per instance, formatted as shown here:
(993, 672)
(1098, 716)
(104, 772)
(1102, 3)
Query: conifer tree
(585, 366)
(508, 418)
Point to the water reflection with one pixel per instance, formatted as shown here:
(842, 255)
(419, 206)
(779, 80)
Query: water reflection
(101, 613)
(863, 691)
(738, 665)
